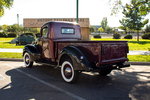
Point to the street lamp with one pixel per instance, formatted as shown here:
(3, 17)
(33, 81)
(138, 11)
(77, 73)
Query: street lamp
(18, 22)
(77, 9)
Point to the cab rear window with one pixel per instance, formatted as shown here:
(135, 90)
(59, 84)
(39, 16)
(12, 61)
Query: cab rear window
(67, 30)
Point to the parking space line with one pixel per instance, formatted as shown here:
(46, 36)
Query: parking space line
(48, 84)
(2, 77)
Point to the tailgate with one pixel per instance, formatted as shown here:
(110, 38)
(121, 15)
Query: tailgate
(114, 51)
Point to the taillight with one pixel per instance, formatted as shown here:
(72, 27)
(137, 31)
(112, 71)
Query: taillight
(97, 64)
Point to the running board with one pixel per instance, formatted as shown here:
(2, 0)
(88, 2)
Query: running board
(47, 63)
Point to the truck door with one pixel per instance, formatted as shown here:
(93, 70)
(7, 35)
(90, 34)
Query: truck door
(45, 42)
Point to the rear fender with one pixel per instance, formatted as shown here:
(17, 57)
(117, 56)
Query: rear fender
(33, 51)
(78, 59)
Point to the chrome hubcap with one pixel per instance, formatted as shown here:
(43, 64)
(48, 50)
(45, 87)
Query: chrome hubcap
(68, 71)
(27, 59)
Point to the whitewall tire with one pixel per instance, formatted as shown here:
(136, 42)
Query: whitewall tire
(27, 61)
(68, 73)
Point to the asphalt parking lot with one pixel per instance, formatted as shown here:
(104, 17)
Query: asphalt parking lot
(45, 83)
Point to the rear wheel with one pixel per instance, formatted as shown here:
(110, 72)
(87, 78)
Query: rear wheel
(68, 73)
(104, 72)
(27, 61)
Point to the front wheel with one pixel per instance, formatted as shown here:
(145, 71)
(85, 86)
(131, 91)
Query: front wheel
(27, 61)
(68, 73)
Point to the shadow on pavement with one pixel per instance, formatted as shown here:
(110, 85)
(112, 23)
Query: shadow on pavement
(89, 85)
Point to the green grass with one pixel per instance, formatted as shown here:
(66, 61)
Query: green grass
(133, 44)
(5, 39)
(139, 58)
(135, 58)
(5, 43)
(10, 55)
(141, 45)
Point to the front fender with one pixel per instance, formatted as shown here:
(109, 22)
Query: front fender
(33, 51)
(79, 61)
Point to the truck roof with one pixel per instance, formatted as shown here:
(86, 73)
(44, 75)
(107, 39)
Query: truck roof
(60, 30)
(60, 22)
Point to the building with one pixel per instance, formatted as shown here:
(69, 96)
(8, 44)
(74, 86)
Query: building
(38, 22)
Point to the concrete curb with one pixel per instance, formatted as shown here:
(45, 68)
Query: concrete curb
(15, 59)
(10, 59)
(140, 63)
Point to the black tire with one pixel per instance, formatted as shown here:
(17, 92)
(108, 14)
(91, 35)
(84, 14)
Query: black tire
(104, 72)
(68, 73)
(27, 61)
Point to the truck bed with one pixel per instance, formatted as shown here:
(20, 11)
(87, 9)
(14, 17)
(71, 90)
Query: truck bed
(104, 52)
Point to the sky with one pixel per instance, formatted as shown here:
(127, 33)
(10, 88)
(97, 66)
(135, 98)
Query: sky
(95, 10)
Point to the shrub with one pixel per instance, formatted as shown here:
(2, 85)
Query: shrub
(31, 34)
(2, 34)
(12, 35)
(97, 36)
(116, 36)
(128, 37)
(146, 36)
(27, 34)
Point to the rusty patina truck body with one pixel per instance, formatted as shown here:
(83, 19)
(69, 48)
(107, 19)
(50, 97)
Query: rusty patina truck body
(60, 44)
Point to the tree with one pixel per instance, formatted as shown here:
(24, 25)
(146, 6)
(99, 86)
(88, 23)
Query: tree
(117, 6)
(104, 23)
(4, 28)
(124, 24)
(0, 27)
(22, 29)
(134, 16)
(109, 29)
(100, 29)
(8, 28)
(92, 29)
(34, 30)
(14, 28)
(5, 4)
(147, 28)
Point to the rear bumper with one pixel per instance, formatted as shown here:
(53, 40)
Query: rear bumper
(125, 64)
(111, 66)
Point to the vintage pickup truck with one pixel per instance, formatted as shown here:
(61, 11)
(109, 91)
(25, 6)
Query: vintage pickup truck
(60, 44)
